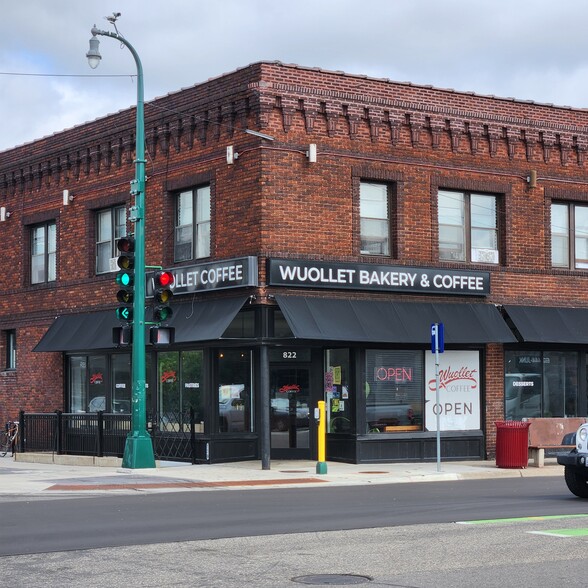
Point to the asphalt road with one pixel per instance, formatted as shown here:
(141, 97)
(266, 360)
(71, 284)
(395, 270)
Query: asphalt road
(43, 526)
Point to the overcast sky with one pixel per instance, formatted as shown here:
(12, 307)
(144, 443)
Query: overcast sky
(528, 49)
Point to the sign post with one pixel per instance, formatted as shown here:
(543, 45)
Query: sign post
(437, 347)
(321, 466)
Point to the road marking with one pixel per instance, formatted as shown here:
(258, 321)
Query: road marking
(521, 519)
(563, 533)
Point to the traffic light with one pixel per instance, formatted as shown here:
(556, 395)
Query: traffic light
(162, 293)
(122, 336)
(125, 278)
(162, 335)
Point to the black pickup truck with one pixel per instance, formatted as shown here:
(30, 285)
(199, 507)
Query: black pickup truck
(576, 462)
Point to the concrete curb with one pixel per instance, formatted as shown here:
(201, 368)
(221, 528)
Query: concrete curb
(50, 474)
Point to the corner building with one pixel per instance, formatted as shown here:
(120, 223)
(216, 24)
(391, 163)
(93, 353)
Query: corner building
(311, 258)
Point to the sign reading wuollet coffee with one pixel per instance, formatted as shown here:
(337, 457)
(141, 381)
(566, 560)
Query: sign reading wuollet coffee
(380, 278)
(218, 275)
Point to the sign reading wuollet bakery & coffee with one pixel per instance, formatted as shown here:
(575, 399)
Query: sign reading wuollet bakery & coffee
(380, 278)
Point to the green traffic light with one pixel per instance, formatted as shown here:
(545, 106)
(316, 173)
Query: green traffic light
(125, 279)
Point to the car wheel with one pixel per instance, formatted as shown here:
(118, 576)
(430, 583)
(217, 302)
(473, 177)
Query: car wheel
(577, 481)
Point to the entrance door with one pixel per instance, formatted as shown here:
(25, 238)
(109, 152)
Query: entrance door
(290, 407)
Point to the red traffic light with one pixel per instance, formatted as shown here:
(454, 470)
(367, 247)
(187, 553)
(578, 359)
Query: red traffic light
(163, 279)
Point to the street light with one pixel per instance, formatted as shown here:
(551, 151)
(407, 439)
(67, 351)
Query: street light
(139, 446)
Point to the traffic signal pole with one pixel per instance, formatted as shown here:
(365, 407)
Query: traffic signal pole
(139, 445)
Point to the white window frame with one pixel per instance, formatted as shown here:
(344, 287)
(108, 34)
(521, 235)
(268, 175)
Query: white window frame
(43, 257)
(457, 213)
(192, 224)
(106, 243)
(374, 213)
(571, 237)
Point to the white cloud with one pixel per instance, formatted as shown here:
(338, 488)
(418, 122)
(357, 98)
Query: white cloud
(528, 49)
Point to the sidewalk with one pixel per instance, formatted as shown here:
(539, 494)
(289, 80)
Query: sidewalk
(46, 474)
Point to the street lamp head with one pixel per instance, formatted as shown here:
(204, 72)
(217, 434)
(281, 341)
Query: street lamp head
(93, 54)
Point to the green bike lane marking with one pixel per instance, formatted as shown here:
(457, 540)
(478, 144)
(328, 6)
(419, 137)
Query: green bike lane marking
(563, 533)
(521, 519)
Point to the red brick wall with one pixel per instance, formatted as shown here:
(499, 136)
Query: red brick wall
(273, 202)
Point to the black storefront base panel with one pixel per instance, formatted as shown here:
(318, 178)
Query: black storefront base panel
(228, 449)
(400, 447)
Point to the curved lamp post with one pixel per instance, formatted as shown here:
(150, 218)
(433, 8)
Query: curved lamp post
(139, 446)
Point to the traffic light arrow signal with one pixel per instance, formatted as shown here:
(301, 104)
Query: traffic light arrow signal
(124, 313)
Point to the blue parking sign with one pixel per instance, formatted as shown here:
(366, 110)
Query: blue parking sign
(437, 338)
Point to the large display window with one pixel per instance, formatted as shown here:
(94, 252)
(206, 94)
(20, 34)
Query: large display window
(339, 395)
(235, 398)
(541, 384)
(94, 386)
(180, 390)
(394, 390)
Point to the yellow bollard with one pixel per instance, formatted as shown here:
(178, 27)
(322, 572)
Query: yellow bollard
(321, 466)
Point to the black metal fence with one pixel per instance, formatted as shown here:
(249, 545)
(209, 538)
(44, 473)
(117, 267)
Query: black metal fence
(176, 436)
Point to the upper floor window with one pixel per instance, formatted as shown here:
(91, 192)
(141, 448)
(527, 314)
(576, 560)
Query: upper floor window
(111, 225)
(569, 236)
(375, 219)
(10, 338)
(468, 227)
(192, 234)
(43, 253)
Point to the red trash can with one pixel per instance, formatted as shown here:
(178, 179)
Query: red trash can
(512, 444)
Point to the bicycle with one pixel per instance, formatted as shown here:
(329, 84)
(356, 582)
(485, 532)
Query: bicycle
(8, 438)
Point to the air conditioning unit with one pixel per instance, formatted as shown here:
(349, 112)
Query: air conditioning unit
(112, 265)
(485, 255)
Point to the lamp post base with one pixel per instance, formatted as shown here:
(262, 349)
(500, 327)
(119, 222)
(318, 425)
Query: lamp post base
(138, 451)
(321, 467)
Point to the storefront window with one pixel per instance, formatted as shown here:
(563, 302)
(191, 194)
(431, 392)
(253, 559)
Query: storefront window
(168, 382)
(339, 397)
(540, 384)
(122, 388)
(192, 392)
(77, 383)
(100, 383)
(560, 384)
(235, 402)
(394, 390)
(97, 383)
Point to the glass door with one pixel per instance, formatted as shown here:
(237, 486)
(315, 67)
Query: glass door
(290, 406)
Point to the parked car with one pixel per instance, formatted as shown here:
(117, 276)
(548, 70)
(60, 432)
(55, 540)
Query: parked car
(231, 415)
(576, 462)
(280, 414)
(98, 403)
(380, 416)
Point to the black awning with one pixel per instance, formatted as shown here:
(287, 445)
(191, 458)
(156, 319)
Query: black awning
(71, 332)
(205, 320)
(539, 324)
(376, 321)
(199, 321)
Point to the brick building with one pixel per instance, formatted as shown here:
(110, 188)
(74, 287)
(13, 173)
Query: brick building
(311, 258)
